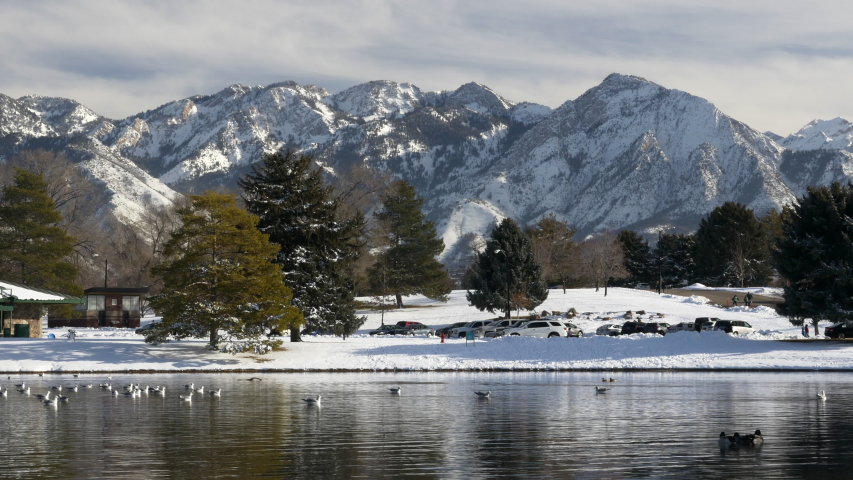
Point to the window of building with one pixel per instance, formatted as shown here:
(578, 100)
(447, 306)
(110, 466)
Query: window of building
(130, 302)
(96, 302)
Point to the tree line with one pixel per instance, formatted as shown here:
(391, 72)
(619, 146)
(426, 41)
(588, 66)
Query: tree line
(292, 250)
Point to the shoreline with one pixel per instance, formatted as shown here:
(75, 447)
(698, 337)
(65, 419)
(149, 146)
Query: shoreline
(445, 370)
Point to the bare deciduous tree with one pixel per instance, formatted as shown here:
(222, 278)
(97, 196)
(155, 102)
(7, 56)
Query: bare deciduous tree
(603, 259)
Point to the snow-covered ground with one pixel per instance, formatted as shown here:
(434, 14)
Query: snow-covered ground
(122, 350)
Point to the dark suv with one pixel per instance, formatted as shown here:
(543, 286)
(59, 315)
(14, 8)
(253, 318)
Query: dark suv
(632, 327)
(655, 327)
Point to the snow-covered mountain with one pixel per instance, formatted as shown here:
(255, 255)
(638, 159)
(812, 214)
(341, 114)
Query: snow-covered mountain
(628, 153)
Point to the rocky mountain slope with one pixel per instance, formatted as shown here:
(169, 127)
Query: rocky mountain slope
(628, 153)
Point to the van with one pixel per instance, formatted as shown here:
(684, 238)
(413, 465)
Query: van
(700, 322)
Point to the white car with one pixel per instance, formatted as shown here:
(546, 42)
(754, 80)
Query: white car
(681, 327)
(494, 327)
(470, 326)
(734, 327)
(538, 328)
(610, 329)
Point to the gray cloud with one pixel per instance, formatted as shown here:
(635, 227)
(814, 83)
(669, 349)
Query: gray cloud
(775, 65)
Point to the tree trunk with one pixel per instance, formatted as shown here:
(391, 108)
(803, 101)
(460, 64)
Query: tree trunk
(399, 300)
(213, 337)
(605, 287)
(816, 331)
(295, 335)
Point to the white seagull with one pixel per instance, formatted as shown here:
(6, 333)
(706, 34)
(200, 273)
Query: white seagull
(186, 398)
(216, 393)
(822, 395)
(312, 401)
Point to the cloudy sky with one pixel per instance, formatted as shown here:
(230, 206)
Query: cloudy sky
(775, 65)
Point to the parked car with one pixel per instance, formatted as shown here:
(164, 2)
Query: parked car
(682, 327)
(539, 328)
(446, 330)
(656, 327)
(470, 326)
(146, 328)
(413, 328)
(701, 321)
(709, 325)
(840, 330)
(632, 327)
(383, 330)
(403, 323)
(735, 327)
(610, 329)
(642, 286)
(499, 332)
(573, 330)
(495, 326)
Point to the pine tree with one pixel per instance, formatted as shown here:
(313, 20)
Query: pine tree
(815, 255)
(298, 211)
(731, 248)
(408, 265)
(219, 276)
(638, 257)
(505, 276)
(33, 247)
(673, 259)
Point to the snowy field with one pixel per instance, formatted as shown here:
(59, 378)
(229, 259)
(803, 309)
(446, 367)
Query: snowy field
(122, 350)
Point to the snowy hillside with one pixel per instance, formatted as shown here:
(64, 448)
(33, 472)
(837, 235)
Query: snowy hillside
(628, 153)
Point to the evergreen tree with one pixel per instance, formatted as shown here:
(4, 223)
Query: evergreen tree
(672, 260)
(34, 249)
(638, 257)
(407, 265)
(505, 276)
(299, 213)
(731, 248)
(815, 255)
(219, 276)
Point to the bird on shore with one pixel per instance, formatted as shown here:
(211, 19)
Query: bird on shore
(396, 390)
(821, 395)
(601, 390)
(752, 439)
(486, 394)
(313, 401)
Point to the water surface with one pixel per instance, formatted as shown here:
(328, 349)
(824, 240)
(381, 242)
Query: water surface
(535, 425)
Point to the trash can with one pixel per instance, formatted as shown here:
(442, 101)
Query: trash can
(22, 330)
(7, 332)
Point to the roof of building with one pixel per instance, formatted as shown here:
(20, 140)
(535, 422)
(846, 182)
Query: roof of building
(108, 290)
(27, 294)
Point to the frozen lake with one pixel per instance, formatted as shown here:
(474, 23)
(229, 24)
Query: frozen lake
(535, 425)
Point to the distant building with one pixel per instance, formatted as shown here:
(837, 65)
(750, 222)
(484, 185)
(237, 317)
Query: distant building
(107, 307)
(12, 294)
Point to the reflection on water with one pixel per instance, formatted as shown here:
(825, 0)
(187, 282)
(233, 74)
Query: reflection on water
(535, 425)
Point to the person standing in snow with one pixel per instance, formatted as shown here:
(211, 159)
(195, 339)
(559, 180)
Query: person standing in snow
(806, 330)
(748, 299)
(734, 301)
(803, 330)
